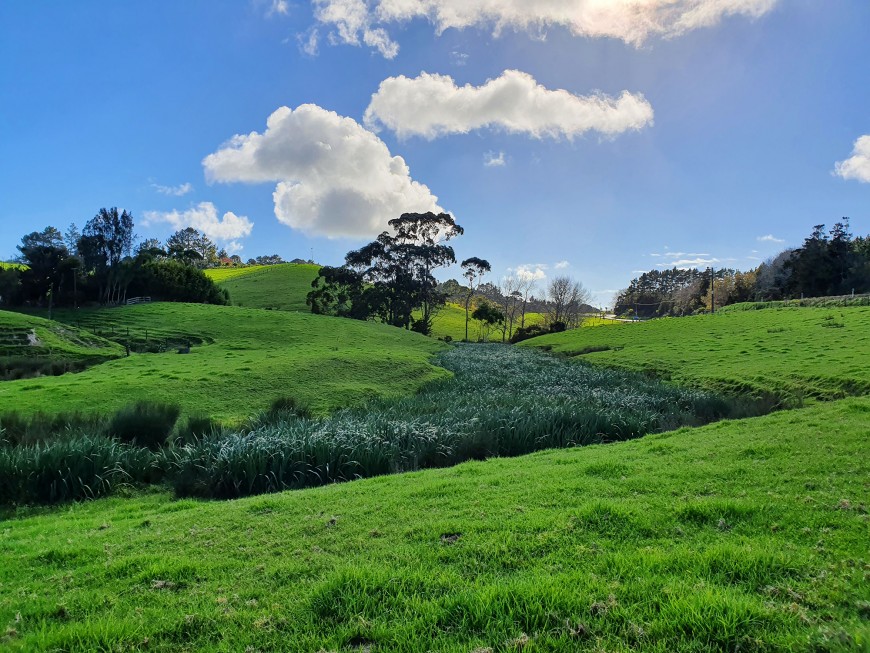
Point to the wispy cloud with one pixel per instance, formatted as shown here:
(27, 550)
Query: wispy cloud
(493, 160)
(770, 238)
(858, 165)
(175, 191)
(278, 8)
(562, 265)
(632, 21)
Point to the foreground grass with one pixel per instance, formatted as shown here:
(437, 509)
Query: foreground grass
(241, 360)
(276, 287)
(792, 353)
(746, 535)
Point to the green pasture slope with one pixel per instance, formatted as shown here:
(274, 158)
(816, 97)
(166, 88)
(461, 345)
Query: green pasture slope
(277, 287)
(30, 337)
(794, 353)
(241, 360)
(739, 536)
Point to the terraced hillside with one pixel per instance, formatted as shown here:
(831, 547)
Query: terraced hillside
(240, 361)
(792, 353)
(31, 345)
(276, 287)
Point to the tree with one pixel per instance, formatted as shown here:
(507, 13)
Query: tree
(511, 301)
(43, 252)
(527, 287)
(566, 296)
(400, 266)
(106, 239)
(488, 316)
(474, 269)
(191, 247)
(71, 239)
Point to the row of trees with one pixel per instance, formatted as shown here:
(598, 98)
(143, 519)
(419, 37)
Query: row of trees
(832, 263)
(103, 264)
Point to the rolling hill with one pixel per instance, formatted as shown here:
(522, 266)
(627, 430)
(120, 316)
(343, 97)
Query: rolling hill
(241, 360)
(276, 287)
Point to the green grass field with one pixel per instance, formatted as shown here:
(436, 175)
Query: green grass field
(748, 536)
(450, 321)
(12, 266)
(793, 353)
(247, 359)
(277, 287)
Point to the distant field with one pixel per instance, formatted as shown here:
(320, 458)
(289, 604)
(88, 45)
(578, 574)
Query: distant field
(12, 266)
(450, 321)
(791, 352)
(744, 535)
(277, 287)
(247, 359)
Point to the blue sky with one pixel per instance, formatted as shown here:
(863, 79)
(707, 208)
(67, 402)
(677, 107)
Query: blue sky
(701, 131)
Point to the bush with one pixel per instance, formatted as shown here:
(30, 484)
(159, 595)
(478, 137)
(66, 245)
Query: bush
(288, 407)
(197, 426)
(82, 467)
(145, 424)
(531, 331)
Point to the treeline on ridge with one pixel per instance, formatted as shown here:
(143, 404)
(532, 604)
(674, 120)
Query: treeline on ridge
(827, 264)
(102, 264)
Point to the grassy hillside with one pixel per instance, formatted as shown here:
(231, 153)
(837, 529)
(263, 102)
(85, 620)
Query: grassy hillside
(746, 535)
(277, 287)
(31, 345)
(12, 266)
(791, 352)
(241, 360)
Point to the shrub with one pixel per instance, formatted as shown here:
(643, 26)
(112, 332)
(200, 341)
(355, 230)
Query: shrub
(288, 406)
(196, 426)
(145, 424)
(82, 467)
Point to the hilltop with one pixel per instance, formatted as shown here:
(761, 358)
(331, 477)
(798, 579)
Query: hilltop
(277, 287)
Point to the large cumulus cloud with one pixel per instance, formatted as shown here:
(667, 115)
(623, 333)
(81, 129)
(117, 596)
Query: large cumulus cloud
(334, 177)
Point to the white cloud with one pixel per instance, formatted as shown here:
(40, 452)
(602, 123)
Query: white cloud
(334, 178)
(632, 21)
(309, 42)
(352, 21)
(204, 217)
(433, 105)
(685, 263)
(858, 165)
(562, 265)
(530, 271)
(770, 238)
(176, 191)
(491, 160)
(277, 7)
(459, 58)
